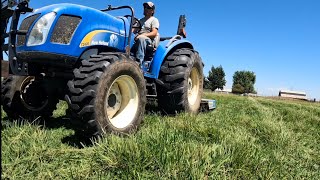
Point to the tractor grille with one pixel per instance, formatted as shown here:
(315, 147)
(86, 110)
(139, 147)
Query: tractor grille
(64, 29)
(25, 25)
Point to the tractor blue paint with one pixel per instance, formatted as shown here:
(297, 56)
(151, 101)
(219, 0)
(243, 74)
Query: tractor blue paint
(161, 53)
(96, 29)
(92, 20)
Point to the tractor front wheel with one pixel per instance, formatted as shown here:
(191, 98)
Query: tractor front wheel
(26, 97)
(108, 94)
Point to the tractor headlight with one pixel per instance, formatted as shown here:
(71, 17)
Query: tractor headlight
(40, 30)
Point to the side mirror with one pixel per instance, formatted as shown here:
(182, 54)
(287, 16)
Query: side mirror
(181, 27)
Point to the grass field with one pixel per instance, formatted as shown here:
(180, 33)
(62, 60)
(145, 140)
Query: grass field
(245, 137)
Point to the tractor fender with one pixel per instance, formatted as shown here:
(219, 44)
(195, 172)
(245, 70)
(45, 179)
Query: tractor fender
(162, 52)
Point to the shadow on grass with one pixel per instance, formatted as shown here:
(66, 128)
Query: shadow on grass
(78, 140)
(152, 108)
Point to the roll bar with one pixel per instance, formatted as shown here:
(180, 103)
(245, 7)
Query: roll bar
(110, 8)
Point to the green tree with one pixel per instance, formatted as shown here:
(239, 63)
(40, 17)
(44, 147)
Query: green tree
(217, 78)
(237, 89)
(245, 79)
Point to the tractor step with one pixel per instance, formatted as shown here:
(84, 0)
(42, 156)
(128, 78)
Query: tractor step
(207, 105)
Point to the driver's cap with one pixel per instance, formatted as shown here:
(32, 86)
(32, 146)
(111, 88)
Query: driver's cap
(149, 4)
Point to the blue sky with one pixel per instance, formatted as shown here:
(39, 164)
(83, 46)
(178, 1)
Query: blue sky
(279, 40)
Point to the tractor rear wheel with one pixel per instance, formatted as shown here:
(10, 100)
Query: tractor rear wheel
(181, 78)
(26, 97)
(108, 94)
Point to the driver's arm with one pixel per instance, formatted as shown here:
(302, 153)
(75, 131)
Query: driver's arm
(151, 34)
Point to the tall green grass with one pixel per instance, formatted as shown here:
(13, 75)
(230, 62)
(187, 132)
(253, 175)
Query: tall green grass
(245, 137)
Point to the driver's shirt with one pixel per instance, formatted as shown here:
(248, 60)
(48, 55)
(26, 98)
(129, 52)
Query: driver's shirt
(148, 24)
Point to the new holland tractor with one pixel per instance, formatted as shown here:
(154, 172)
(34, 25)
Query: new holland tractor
(83, 56)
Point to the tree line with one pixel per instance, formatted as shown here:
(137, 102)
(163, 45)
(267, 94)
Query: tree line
(243, 81)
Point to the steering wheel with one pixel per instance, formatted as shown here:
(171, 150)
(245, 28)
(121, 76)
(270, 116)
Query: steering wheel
(136, 23)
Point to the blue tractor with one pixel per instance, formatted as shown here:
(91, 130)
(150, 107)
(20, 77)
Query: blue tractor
(83, 56)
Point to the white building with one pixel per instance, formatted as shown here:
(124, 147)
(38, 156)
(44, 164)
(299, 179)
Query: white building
(293, 94)
(224, 91)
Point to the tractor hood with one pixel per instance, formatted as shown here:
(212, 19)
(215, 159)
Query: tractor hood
(70, 29)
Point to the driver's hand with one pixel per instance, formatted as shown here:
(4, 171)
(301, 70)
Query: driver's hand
(140, 35)
(136, 37)
(134, 30)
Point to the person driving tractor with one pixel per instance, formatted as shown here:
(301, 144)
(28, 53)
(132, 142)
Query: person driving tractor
(148, 33)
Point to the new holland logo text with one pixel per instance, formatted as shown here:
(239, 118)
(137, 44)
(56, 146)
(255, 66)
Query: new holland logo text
(99, 43)
(100, 37)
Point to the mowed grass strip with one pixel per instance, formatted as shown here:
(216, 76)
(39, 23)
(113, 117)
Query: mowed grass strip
(244, 137)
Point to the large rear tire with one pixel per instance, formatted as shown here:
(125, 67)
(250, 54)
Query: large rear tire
(108, 93)
(181, 82)
(25, 97)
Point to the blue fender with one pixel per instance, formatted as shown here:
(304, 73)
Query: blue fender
(161, 53)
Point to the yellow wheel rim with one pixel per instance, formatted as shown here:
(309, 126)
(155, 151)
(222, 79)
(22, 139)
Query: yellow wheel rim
(193, 86)
(122, 101)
